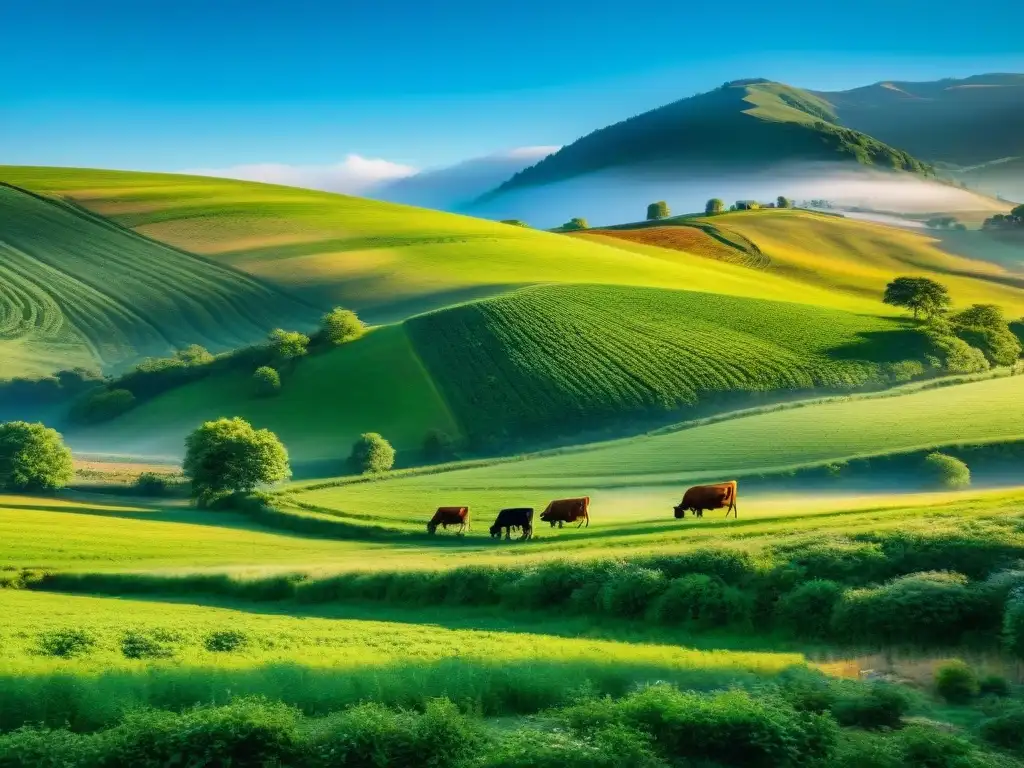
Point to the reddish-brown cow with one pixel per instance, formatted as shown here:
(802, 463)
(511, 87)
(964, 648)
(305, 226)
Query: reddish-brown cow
(702, 497)
(567, 511)
(446, 516)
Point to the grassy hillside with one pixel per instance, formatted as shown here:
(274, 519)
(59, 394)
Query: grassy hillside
(374, 384)
(576, 356)
(387, 261)
(76, 290)
(746, 124)
(646, 475)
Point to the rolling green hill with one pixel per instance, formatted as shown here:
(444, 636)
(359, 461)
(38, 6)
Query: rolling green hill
(76, 290)
(746, 124)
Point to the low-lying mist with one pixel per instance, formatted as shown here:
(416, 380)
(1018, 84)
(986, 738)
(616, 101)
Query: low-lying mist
(616, 197)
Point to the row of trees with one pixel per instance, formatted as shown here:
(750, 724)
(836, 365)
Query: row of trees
(1013, 220)
(717, 205)
(965, 342)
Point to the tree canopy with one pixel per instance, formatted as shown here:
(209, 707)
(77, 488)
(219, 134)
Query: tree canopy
(714, 205)
(341, 325)
(372, 453)
(228, 455)
(783, 202)
(266, 381)
(918, 294)
(658, 210)
(576, 223)
(288, 345)
(33, 457)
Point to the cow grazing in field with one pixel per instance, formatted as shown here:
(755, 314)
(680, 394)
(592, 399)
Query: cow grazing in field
(514, 518)
(567, 511)
(702, 497)
(446, 516)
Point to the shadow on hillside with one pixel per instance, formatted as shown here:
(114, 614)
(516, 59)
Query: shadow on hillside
(893, 346)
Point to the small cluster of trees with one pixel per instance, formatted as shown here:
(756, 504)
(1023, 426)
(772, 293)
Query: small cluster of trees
(945, 222)
(658, 210)
(965, 342)
(716, 205)
(1013, 220)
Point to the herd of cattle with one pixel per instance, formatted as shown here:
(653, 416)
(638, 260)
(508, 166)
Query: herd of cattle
(696, 500)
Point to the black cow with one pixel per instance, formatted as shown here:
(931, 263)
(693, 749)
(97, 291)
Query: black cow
(516, 517)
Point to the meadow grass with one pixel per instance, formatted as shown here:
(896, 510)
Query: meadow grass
(100, 296)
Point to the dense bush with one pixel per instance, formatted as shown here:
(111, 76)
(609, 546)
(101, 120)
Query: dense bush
(225, 641)
(65, 643)
(151, 484)
(1013, 624)
(266, 381)
(994, 685)
(137, 644)
(33, 458)
(947, 471)
(612, 746)
(1005, 730)
(341, 325)
(287, 345)
(372, 453)
(229, 455)
(438, 445)
(875, 705)
(732, 728)
(806, 611)
(101, 405)
(702, 601)
(628, 592)
(658, 210)
(956, 682)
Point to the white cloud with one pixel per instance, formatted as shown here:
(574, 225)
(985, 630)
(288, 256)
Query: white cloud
(354, 175)
(529, 153)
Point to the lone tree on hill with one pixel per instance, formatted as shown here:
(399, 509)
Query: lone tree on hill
(33, 457)
(341, 325)
(372, 453)
(266, 381)
(714, 205)
(783, 202)
(228, 455)
(576, 223)
(658, 210)
(918, 294)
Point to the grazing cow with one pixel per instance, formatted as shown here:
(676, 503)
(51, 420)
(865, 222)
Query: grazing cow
(567, 511)
(517, 517)
(702, 497)
(446, 516)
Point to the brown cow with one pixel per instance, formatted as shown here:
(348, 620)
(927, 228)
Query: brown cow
(446, 516)
(702, 497)
(567, 511)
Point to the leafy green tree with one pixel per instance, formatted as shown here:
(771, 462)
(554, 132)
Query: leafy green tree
(1018, 212)
(658, 210)
(918, 294)
(783, 202)
(515, 222)
(228, 455)
(984, 326)
(576, 223)
(948, 471)
(288, 345)
(102, 405)
(341, 325)
(979, 316)
(194, 355)
(266, 381)
(372, 453)
(33, 457)
(713, 206)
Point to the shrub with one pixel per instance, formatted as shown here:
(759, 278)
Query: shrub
(151, 484)
(229, 455)
(438, 445)
(994, 685)
(102, 405)
(956, 355)
(713, 206)
(927, 608)
(658, 210)
(807, 610)
(66, 643)
(32, 747)
(732, 728)
(873, 705)
(1013, 624)
(33, 458)
(136, 644)
(612, 746)
(341, 325)
(701, 600)
(515, 222)
(225, 641)
(629, 591)
(248, 733)
(575, 224)
(956, 682)
(929, 747)
(372, 453)
(266, 381)
(861, 749)
(287, 345)
(947, 471)
(1005, 730)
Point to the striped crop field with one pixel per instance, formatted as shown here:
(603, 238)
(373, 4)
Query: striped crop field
(75, 289)
(580, 355)
(682, 238)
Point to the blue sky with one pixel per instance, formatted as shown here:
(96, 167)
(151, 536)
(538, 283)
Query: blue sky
(162, 85)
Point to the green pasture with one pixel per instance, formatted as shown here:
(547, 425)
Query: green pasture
(76, 290)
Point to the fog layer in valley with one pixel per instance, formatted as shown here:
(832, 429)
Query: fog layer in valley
(615, 197)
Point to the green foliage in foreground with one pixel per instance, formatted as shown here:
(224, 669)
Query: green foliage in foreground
(655, 727)
(33, 457)
(229, 455)
(582, 355)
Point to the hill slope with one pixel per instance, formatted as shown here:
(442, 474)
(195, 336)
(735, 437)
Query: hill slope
(742, 125)
(77, 290)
